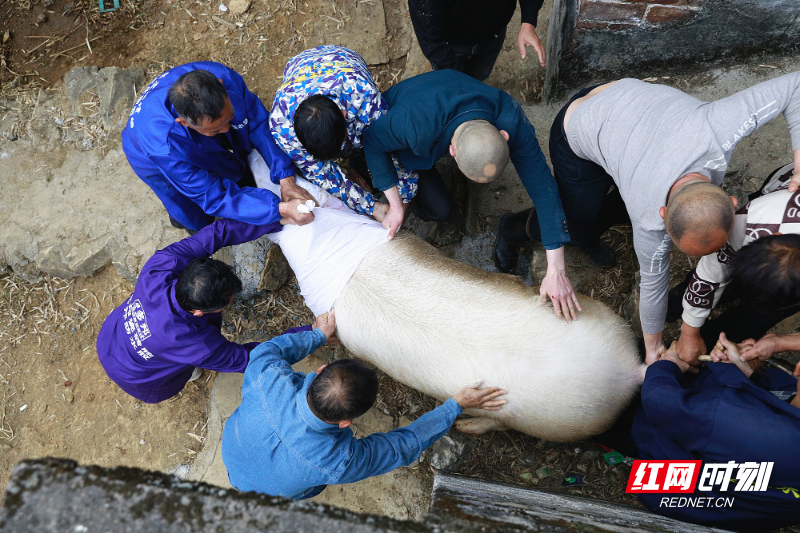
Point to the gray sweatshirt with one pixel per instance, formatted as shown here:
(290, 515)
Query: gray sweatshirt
(647, 137)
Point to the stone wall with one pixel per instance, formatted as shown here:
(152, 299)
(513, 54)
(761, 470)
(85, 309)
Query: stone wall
(600, 40)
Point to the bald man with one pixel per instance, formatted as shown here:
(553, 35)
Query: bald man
(625, 151)
(436, 114)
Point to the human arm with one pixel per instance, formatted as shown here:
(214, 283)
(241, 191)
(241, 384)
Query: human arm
(383, 452)
(653, 251)
(768, 346)
(289, 348)
(527, 32)
(393, 218)
(556, 284)
(207, 241)
(392, 132)
(535, 175)
(217, 196)
(740, 114)
(429, 18)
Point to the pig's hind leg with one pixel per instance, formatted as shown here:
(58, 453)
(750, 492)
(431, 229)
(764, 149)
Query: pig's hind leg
(479, 426)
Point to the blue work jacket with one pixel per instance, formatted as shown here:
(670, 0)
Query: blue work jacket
(194, 175)
(720, 416)
(424, 112)
(275, 445)
(150, 345)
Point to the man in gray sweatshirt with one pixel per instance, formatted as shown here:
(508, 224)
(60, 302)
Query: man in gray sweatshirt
(629, 149)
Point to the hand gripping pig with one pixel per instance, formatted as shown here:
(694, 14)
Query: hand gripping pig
(439, 325)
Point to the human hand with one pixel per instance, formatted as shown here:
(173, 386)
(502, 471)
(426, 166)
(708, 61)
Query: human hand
(290, 214)
(731, 349)
(557, 286)
(672, 355)
(527, 37)
(794, 183)
(393, 219)
(327, 323)
(763, 349)
(690, 345)
(475, 398)
(292, 191)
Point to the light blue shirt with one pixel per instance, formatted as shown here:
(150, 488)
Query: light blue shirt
(275, 445)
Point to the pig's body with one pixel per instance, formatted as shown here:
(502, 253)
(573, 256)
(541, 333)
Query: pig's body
(438, 325)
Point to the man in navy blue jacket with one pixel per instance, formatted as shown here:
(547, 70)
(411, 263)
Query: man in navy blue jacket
(725, 413)
(188, 137)
(426, 114)
(151, 344)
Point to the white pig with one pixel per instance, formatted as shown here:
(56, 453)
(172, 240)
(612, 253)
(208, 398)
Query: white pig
(439, 325)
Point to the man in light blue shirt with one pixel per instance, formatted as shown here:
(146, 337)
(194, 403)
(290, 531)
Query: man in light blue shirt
(290, 436)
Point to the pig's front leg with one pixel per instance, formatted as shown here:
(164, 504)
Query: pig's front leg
(479, 426)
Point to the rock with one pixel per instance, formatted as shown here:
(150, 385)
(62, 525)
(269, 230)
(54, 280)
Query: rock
(6, 36)
(238, 7)
(416, 62)
(116, 88)
(41, 18)
(197, 36)
(449, 453)
(631, 307)
(276, 270)
(248, 260)
(87, 258)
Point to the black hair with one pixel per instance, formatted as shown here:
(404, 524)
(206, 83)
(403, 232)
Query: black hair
(206, 285)
(766, 272)
(198, 94)
(344, 390)
(320, 126)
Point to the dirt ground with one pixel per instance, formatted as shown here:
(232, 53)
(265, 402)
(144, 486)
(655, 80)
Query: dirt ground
(56, 398)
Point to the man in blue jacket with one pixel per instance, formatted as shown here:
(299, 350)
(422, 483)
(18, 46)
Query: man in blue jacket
(291, 435)
(151, 344)
(725, 413)
(429, 115)
(188, 137)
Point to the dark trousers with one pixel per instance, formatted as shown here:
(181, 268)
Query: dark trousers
(591, 201)
(432, 201)
(738, 323)
(479, 59)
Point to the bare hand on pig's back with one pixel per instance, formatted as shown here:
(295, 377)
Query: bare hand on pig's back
(486, 399)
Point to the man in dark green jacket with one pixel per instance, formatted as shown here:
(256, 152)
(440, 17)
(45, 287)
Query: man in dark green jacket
(437, 113)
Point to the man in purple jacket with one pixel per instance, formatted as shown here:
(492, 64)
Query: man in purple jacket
(151, 344)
